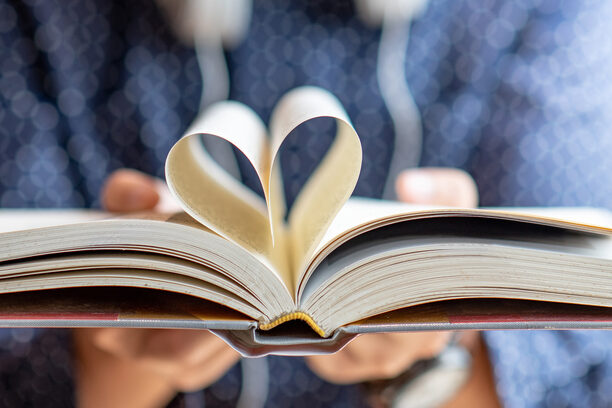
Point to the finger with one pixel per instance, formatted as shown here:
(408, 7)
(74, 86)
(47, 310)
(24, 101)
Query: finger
(378, 356)
(337, 368)
(205, 372)
(342, 369)
(166, 352)
(437, 186)
(188, 359)
(370, 348)
(162, 350)
(362, 359)
(170, 349)
(118, 342)
(129, 190)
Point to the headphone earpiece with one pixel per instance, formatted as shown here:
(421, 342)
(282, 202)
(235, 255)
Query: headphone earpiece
(224, 21)
(228, 21)
(375, 12)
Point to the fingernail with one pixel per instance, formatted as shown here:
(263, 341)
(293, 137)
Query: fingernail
(418, 187)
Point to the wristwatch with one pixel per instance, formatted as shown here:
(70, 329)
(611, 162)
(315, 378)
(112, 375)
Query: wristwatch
(428, 383)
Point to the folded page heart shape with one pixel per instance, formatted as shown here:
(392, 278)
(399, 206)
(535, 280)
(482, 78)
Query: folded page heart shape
(226, 206)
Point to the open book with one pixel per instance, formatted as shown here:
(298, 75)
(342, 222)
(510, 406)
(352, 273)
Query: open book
(234, 262)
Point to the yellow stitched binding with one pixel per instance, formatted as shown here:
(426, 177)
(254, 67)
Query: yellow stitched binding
(294, 316)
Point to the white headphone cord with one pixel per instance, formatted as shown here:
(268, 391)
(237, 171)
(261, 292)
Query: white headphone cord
(213, 71)
(405, 115)
(255, 382)
(215, 80)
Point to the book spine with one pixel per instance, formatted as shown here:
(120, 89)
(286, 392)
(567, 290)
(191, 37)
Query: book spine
(294, 316)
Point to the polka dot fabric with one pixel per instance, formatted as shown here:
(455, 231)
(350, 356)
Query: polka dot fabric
(552, 369)
(517, 93)
(36, 368)
(87, 87)
(514, 92)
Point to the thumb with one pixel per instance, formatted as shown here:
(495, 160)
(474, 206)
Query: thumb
(437, 186)
(129, 190)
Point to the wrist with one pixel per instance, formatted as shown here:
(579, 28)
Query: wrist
(459, 376)
(479, 390)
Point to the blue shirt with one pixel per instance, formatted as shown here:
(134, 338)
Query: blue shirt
(517, 93)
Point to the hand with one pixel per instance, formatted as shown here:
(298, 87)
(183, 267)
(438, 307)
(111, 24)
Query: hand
(386, 355)
(144, 367)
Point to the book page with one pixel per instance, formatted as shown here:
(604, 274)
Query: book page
(214, 198)
(359, 211)
(21, 220)
(34, 243)
(333, 181)
(359, 215)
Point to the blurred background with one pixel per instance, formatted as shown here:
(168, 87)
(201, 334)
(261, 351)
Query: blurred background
(516, 93)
